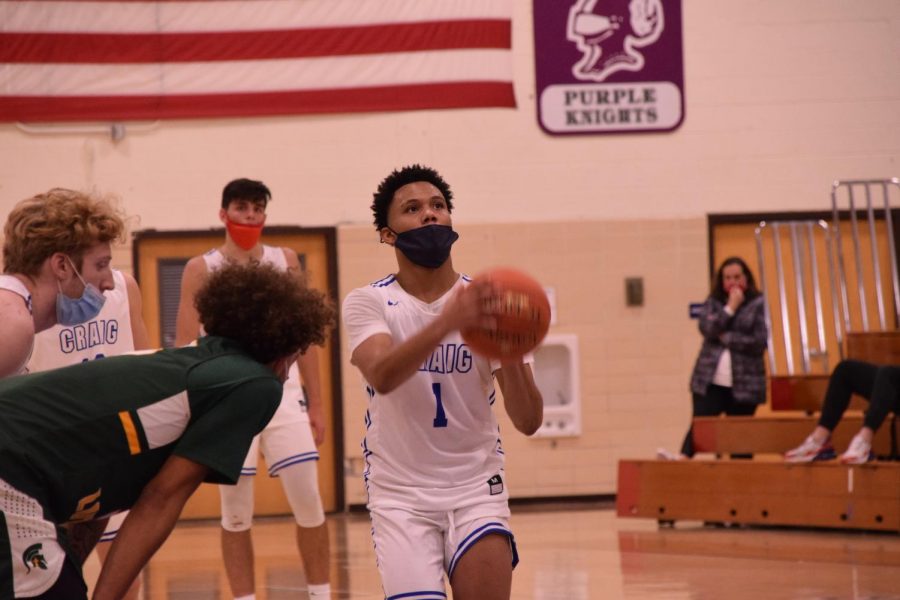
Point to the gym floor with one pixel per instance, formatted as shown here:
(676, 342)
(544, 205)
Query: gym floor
(568, 552)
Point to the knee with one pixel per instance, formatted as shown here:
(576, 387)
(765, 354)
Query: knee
(301, 486)
(843, 370)
(237, 506)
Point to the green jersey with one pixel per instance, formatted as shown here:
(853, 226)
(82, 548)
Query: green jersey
(85, 440)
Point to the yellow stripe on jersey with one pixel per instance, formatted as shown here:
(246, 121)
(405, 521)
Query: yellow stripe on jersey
(134, 443)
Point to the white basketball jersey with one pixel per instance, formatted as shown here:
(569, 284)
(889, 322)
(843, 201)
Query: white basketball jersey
(437, 430)
(11, 284)
(214, 259)
(108, 334)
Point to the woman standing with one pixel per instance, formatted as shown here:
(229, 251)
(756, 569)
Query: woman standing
(729, 376)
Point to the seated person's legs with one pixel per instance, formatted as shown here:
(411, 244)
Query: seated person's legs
(849, 377)
(885, 398)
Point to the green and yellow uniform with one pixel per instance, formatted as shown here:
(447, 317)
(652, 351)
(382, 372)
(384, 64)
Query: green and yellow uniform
(83, 441)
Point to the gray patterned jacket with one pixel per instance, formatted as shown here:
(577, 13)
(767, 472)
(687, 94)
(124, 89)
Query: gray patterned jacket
(746, 336)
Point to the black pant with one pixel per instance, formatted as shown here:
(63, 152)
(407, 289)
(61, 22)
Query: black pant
(716, 401)
(880, 385)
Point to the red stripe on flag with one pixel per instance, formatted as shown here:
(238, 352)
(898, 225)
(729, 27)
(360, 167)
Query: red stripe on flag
(386, 98)
(252, 45)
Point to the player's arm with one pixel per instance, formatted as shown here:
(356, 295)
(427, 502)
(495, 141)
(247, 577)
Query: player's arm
(386, 365)
(148, 524)
(187, 323)
(16, 331)
(521, 396)
(308, 364)
(136, 315)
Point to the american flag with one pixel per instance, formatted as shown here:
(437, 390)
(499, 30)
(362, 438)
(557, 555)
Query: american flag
(70, 60)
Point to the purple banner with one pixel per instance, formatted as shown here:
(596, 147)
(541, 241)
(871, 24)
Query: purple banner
(608, 66)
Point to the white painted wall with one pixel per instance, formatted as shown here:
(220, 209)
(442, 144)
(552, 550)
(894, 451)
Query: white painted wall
(782, 97)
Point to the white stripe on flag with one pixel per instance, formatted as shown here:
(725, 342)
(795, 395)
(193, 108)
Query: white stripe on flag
(186, 17)
(340, 72)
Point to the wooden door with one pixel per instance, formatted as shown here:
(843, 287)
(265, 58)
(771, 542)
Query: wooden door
(159, 258)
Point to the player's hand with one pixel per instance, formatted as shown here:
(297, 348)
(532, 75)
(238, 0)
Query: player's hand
(470, 307)
(317, 423)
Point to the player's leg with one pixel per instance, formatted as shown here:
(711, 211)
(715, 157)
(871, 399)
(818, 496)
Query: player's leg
(484, 572)
(480, 551)
(32, 559)
(315, 551)
(409, 552)
(290, 449)
(237, 519)
(112, 528)
(69, 585)
(300, 483)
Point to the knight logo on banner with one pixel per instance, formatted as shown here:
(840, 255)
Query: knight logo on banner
(608, 66)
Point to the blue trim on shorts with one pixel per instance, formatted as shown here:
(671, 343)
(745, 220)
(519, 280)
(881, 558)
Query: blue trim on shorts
(472, 538)
(292, 460)
(423, 595)
(248, 472)
(108, 536)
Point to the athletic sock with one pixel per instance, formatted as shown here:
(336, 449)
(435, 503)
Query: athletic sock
(320, 591)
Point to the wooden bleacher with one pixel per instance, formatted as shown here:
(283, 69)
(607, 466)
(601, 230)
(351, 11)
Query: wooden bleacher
(880, 347)
(766, 490)
(778, 434)
(805, 392)
(825, 494)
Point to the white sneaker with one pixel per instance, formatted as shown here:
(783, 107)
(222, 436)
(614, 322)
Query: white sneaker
(663, 454)
(810, 450)
(859, 452)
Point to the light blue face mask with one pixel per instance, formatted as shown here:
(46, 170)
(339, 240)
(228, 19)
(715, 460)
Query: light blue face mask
(74, 311)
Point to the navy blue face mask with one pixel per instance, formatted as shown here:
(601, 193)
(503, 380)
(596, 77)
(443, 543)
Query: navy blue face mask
(427, 246)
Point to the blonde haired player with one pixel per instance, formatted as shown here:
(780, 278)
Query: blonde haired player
(289, 441)
(56, 266)
(117, 329)
(434, 464)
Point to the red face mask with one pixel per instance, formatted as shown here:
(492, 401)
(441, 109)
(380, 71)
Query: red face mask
(245, 236)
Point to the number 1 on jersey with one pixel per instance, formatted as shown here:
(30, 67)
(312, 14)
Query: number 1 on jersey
(440, 418)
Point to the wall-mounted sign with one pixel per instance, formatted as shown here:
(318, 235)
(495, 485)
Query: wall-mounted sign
(608, 66)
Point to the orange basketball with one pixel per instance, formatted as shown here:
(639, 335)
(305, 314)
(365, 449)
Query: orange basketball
(523, 316)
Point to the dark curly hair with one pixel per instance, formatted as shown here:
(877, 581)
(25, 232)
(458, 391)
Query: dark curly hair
(270, 313)
(396, 180)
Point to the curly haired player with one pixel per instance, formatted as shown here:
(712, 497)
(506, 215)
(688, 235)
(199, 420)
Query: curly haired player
(434, 462)
(188, 415)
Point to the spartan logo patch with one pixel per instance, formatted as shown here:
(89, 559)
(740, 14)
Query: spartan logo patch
(32, 557)
(495, 484)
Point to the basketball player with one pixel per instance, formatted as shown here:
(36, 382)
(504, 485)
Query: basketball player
(434, 472)
(76, 444)
(56, 256)
(117, 329)
(289, 441)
